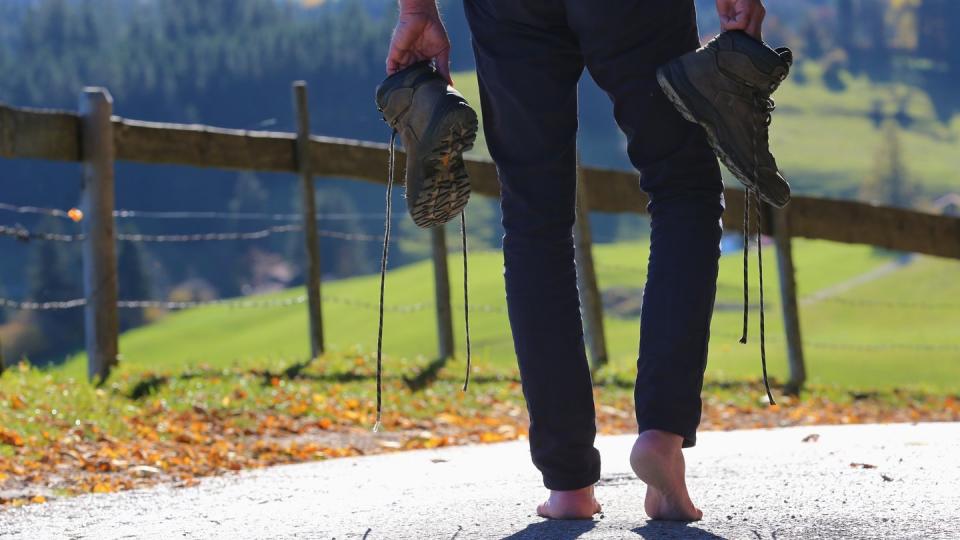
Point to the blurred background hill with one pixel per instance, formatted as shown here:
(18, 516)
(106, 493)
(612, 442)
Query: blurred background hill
(870, 113)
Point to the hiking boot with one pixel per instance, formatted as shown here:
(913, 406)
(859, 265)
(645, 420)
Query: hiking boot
(725, 87)
(436, 126)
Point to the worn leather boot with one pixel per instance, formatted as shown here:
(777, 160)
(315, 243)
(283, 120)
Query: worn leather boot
(436, 126)
(725, 87)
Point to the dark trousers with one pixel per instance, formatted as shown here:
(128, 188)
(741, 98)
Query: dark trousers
(530, 55)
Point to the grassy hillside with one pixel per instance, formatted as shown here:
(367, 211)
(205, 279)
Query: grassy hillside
(898, 329)
(824, 140)
(862, 346)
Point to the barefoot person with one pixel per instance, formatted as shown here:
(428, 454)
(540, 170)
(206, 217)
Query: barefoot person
(530, 55)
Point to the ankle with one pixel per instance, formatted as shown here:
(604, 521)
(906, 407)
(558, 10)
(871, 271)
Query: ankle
(660, 441)
(570, 504)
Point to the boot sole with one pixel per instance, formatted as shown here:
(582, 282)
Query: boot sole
(672, 83)
(445, 189)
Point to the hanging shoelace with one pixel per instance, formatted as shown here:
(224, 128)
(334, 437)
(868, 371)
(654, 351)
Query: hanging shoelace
(466, 295)
(767, 104)
(747, 195)
(746, 261)
(383, 277)
(383, 273)
(763, 337)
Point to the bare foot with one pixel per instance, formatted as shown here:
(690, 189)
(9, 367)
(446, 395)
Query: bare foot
(657, 458)
(575, 504)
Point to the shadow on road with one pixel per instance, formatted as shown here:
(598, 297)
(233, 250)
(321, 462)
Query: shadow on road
(553, 529)
(671, 529)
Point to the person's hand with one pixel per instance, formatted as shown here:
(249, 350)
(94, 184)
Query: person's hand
(746, 15)
(419, 35)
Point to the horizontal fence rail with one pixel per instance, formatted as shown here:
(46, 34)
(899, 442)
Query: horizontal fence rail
(97, 139)
(53, 135)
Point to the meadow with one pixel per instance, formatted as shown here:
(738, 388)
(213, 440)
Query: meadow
(825, 140)
(897, 330)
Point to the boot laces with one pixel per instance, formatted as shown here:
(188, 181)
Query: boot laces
(383, 275)
(765, 106)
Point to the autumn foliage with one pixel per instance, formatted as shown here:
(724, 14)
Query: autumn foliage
(59, 436)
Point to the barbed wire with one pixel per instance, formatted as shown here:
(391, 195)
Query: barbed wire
(397, 308)
(25, 235)
(356, 237)
(874, 347)
(34, 210)
(261, 216)
(206, 237)
(484, 308)
(897, 304)
(232, 303)
(422, 306)
(148, 214)
(43, 306)
(190, 304)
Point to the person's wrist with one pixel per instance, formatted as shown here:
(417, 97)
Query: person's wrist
(418, 7)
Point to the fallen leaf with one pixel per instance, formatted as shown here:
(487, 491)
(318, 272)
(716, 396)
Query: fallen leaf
(144, 470)
(17, 402)
(390, 444)
(10, 437)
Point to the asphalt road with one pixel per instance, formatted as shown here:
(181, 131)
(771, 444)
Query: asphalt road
(890, 481)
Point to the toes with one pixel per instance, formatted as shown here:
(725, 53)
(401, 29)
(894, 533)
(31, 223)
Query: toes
(542, 510)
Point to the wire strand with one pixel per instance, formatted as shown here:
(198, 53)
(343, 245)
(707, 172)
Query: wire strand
(186, 214)
(256, 216)
(24, 235)
(232, 303)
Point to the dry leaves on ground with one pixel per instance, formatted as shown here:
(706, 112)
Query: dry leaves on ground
(281, 421)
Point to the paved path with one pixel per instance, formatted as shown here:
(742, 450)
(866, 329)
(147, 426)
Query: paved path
(750, 484)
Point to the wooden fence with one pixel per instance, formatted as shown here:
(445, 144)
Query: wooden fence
(96, 138)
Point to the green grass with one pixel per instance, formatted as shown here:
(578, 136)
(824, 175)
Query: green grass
(824, 140)
(220, 336)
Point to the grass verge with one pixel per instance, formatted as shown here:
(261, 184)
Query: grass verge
(61, 436)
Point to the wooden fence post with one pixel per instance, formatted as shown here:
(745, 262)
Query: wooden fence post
(590, 299)
(441, 283)
(788, 294)
(309, 207)
(101, 320)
